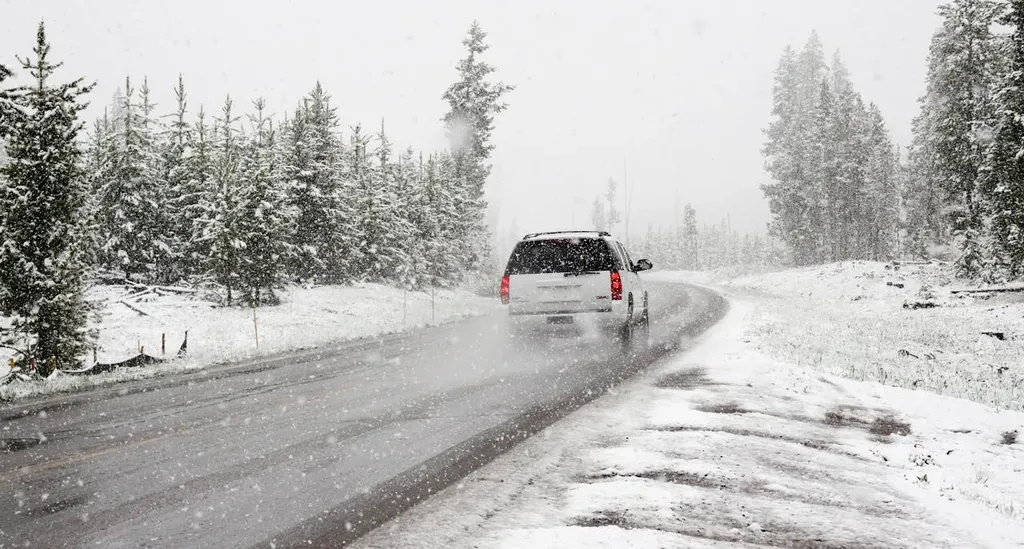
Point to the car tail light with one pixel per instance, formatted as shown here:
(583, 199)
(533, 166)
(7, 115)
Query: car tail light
(504, 290)
(616, 286)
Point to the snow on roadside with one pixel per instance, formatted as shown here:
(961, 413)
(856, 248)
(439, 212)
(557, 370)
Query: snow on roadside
(849, 319)
(307, 318)
(724, 447)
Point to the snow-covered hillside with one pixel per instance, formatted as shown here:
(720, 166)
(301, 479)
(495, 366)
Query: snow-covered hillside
(306, 318)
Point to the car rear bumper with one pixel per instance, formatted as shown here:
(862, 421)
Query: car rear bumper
(565, 324)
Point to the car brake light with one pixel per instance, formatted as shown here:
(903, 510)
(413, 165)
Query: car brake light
(504, 290)
(616, 286)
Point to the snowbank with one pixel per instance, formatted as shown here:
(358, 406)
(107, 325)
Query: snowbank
(726, 447)
(306, 318)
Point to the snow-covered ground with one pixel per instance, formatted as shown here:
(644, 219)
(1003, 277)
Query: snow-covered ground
(726, 446)
(307, 318)
(849, 319)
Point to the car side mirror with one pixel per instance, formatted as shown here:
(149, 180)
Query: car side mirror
(644, 265)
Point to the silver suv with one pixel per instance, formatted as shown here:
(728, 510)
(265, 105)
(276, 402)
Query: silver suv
(580, 282)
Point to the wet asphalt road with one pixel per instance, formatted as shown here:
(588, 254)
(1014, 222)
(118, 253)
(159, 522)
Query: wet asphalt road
(311, 449)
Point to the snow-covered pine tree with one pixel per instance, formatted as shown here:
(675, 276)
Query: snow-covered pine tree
(130, 212)
(691, 245)
(1003, 181)
(473, 102)
(447, 196)
(165, 253)
(921, 193)
(195, 194)
(811, 85)
(303, 196)
(820, 191)
(96, 156)
(325, 232)
(264, 220)
(223, 209)
(183, 199)
(781, 161)
(340, 232)
(412, 206)
(435, 214)
(43, 256)
(845, 192)
(359, 173)
(793, 196)
(380, 221)
(880, 219)
(963, 61)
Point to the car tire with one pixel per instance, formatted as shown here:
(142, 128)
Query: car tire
(642, 336)
(625, 335)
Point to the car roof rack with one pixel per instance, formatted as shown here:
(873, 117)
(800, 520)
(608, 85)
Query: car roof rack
(599, 233)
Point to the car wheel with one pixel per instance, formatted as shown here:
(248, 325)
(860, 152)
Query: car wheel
(642, 339)
(626, 332)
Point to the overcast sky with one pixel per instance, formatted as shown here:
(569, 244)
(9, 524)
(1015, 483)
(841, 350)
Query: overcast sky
(674, 93)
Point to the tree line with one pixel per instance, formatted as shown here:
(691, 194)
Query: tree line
(834, 193)
(839, 188)
(237, 199)
(691, 246)
(964, 174)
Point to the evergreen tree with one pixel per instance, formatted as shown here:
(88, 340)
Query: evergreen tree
(340, 232)
(96, 157)
(392, 184)
(846, 193)
(43, 269)
(961, 79)
(222, 212)
(1004, 181)
(182, 199)
(448, 263)
(473, 102)
(195, 195)
(165, 252)
(821, 190)
(320, 189)
(132, 235)
(791, 161)
(690, 243)
(922, 193)
(880, 220)
(412, 207)
(264, 221)
(303, 195)
(382, 226)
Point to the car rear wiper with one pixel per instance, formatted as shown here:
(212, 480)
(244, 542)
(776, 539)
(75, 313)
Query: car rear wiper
(578, 273)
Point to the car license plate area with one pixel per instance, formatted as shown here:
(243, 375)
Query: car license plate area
(560, 320)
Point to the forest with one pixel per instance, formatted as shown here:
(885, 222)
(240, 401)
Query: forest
(239, 200)
(840, 190)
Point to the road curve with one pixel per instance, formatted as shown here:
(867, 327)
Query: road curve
(313, 449)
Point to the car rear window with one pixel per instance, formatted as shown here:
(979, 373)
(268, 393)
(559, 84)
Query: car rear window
(560, 256)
